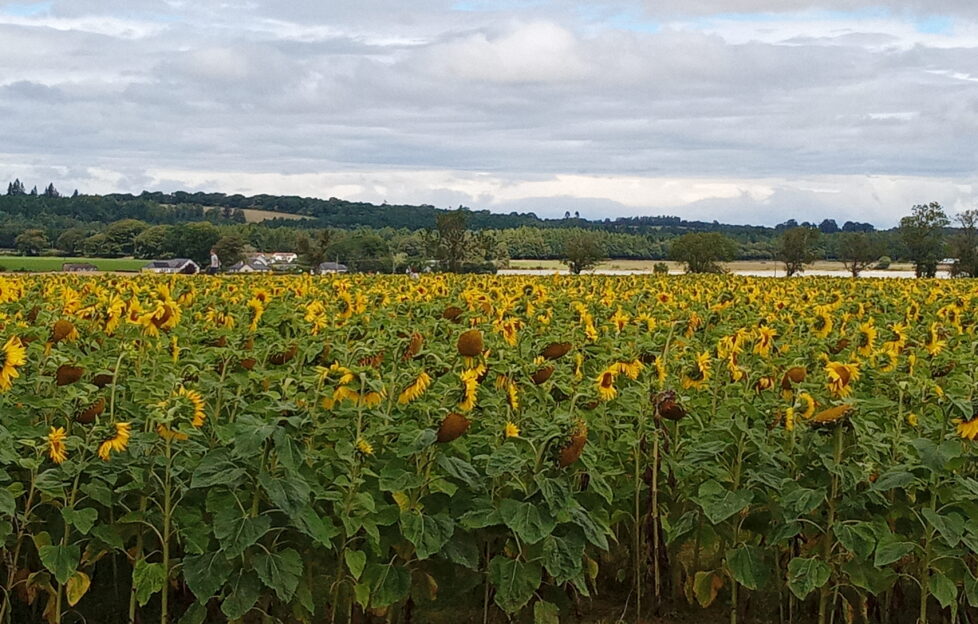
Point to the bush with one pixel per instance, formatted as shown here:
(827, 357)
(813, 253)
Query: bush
(884, 263)
(660, 268)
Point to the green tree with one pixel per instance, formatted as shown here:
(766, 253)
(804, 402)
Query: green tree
(964, 245)
(100, 246)
(123, 234)
(69, 242)
(451, 239)
(923, 234)
(796, 248)
(582, 251)
(193, 241)
(31, 242)
(314, 250)
(858, 251)
(152, 243)
(230, 249)
(702, 252)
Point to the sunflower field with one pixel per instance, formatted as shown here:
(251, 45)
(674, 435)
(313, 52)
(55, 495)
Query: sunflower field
(487, 449)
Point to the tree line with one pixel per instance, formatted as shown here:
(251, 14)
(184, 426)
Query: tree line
(163, 225)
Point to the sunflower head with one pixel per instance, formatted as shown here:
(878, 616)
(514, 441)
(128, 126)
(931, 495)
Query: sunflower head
(452, 427)
(470, 343)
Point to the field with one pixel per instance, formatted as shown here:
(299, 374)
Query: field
(487, 448)
(43, 264)
(257, 216)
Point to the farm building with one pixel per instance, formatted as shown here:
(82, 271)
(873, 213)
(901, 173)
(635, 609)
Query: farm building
(249, 266)
(176, 265)
(332, 267)
(78, 267)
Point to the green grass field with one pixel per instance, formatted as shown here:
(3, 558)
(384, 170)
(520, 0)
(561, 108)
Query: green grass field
(45, 263)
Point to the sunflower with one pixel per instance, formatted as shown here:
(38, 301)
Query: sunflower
(630, 369)
(789, 419)
(699, 374)
(510, 430)
(606, 384)
(470, 343)
(809, 403)
(512, 395)
(14, 355)
(934, 343)
(57, 450)
(866, 338)
(470, 388)
(63, 330)
(364, 448)
(822, 323)
(416, 389)
(764, 340)
(197, 401)
(841, 377)
(117, 443)
(619, 319)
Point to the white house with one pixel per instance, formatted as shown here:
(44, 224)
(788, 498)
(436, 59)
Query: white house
(177, 265)
(286, 257)
(332, 267)
(249, 266)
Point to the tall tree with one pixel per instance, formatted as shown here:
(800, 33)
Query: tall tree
(230, 249)
(703, 252)
(451, 239)
(923, 233)
(858, 251)
(964, 245)
(314, 251)
(796, 248)
(582, 251)
(69, 242)
(50, 191)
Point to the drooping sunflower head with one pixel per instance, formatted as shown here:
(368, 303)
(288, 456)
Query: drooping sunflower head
(866, 338)
(117, 442)
(841, 376)
(57, 450)
(470, 343)
(63, 330)
(606, 384)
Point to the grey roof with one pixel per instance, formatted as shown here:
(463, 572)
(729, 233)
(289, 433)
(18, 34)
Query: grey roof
(255, 266)
(332, 266)
(174, 263)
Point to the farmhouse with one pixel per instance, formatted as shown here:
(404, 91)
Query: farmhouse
(176, 265)
(78, 267)
(332, 267)
(249, 266)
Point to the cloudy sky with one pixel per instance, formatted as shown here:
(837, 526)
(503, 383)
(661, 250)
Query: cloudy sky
(744, 111)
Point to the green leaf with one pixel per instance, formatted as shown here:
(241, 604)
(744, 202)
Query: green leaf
(8, 504)
(462, 549)
(546, 613)
(461, 470)
(147, 579)
(506, 458)
(892, 480)
(951, 527)
(594, 532)
(971, 590)
(62, 561)
(530, 522)
(108, 534)
(563, 557)
(890, 549)
(719, 503)
(427, 533)
(236, 532)
(355, 560)
(318, 527)
(216, 468)
(195, 614)
(388, 584)
(205, 574)
(81, 519)
(805, 575)
(800, 501)
(290, 494)
(746, 565)
(481, 518)
(943, 589)
(99, 492)
(706, 585)
(862, 574)
(280, 571)
(395, 478)
(859, 539)
(245, 591)
(515, 582)
(250, 434)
